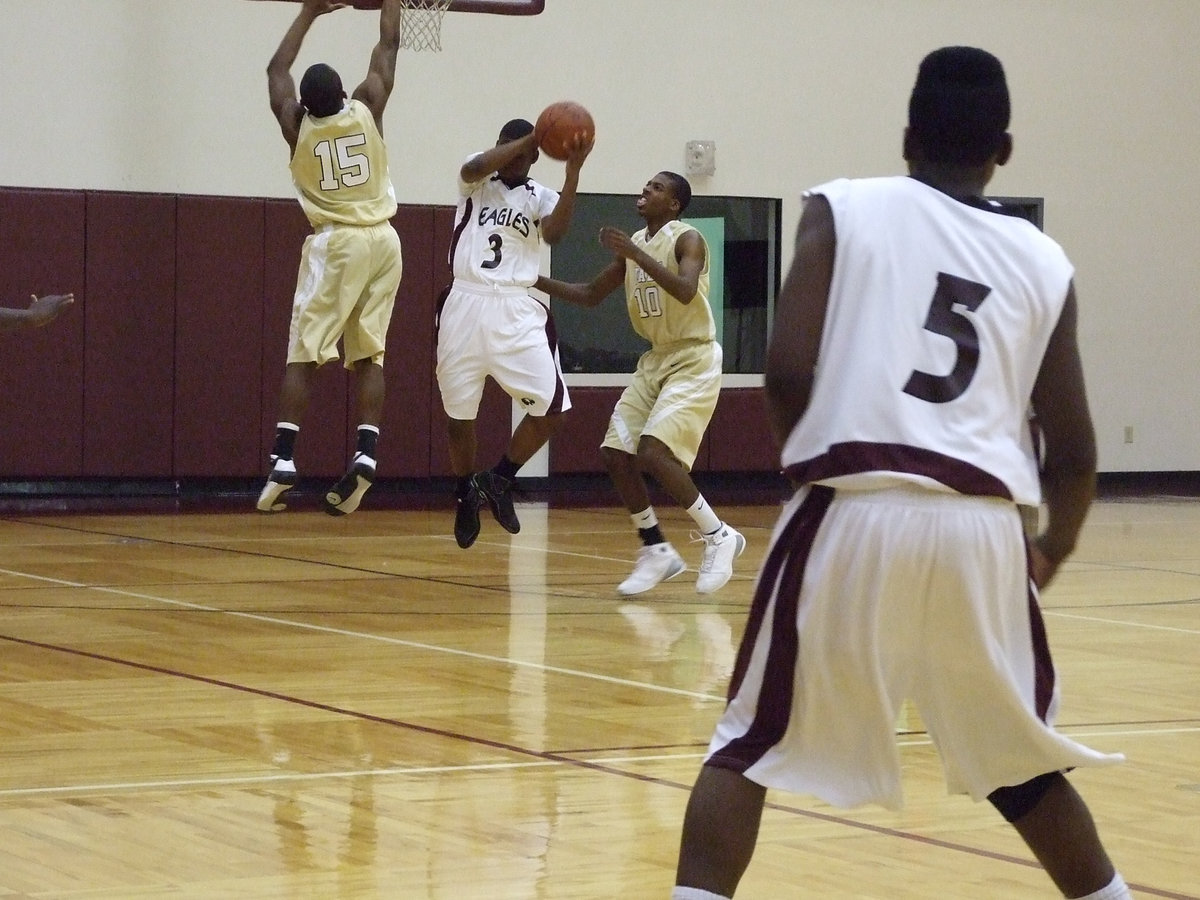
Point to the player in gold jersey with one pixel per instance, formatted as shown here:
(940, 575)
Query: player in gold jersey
(351, 264)
(661, 417)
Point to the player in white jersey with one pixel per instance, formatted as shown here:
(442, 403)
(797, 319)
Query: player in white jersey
(661, 417)
(915, 332)
(350, 266)
(488, 324)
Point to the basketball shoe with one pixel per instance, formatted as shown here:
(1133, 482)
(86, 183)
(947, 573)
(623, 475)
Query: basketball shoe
(281, 479)
(343, 498)
(466, 516)
(497, 491)
(721, 548)
(655, 564)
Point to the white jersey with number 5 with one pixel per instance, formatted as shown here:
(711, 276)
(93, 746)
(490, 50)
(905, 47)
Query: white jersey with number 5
(939, 315)
(497, 232)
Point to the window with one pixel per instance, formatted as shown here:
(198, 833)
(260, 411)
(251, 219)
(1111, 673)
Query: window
(743, 241)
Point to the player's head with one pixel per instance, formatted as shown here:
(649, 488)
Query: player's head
(958, 112)
(518, 169)
(664, 197)
(681, 188)
(321, 91)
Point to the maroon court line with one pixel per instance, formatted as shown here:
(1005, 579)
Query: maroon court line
(550, 757)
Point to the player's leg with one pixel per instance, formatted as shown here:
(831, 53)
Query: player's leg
(1057, 825)
(996, 727)
(670, 439)
(657, 559)
(293, 402)
(766, 725)
(720, 830)
(346, 495)
(461, 370)
(526, 366)
(364, 338)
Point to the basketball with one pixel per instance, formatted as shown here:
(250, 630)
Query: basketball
(558, 125)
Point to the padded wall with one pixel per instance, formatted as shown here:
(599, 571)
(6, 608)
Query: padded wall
(169, 365)
(218, 337)
(739, 438)
(41, 379)
(129, 348)
(408, 365)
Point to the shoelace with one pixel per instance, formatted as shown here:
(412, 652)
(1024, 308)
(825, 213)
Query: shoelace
(710, 548)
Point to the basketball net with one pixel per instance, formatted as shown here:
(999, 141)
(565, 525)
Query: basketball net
(421, 24)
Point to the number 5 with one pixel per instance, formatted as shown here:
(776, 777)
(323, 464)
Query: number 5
(944, 320)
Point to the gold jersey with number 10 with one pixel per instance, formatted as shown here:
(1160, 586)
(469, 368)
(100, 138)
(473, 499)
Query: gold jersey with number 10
(655, 314)
(340, 169)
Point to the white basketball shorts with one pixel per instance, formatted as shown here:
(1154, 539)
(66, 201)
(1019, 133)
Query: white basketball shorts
(867, 598)
(506, 334)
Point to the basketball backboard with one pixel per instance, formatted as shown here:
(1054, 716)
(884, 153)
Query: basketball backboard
(499, 7)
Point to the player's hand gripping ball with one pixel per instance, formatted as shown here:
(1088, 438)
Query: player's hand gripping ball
(559, 125)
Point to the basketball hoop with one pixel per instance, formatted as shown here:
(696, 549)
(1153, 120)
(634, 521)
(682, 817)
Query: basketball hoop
(421, 24)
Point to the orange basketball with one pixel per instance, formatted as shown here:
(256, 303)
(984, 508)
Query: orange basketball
(558, 125)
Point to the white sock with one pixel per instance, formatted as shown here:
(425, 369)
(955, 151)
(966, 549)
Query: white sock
(1114, 890)
(644, 519)
(704, 517)
(689, 893)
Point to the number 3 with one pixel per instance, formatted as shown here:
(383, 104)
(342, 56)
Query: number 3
(943, 319)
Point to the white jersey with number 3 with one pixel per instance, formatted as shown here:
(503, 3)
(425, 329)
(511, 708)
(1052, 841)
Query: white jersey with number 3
(939, 315)
(497, 232)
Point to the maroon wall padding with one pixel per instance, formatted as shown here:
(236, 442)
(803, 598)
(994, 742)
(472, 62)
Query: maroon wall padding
(576, 447)
(170, 363)
(739, 436)
(321, 449)
(218, 337)
(129, 352)
(408, 365)
(41, 378)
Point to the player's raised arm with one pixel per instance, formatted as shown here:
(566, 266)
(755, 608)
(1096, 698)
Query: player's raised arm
(281, 87)
(376, 88)
(555, 225)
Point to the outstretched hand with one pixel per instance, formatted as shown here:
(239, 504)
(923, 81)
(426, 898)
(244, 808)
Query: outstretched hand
(320, 7)
(44, 310)
(617, 241)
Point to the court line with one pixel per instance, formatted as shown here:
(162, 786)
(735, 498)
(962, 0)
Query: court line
(233, 781)
(362, 635)
(1105, 621)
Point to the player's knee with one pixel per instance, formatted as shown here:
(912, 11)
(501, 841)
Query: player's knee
(618, 461)
(653, 453)
(1015, 802)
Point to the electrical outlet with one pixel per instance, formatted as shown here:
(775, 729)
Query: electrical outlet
(1129, 434)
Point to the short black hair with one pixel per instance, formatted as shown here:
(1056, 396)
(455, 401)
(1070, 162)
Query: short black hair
(681, 188)
(959, 109)
(321, 90)
(515, 129)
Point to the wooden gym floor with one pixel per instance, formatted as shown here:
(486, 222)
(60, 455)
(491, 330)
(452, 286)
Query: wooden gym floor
(228, 705)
